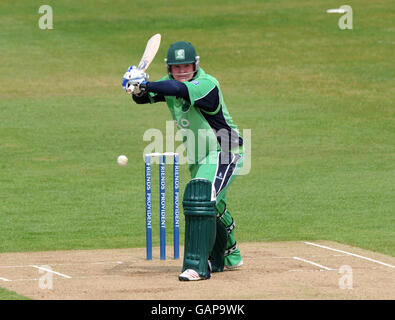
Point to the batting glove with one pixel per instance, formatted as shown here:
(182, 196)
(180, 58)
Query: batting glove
(132, 80)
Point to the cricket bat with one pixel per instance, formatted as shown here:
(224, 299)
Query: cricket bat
(150, 51)
(149, 54)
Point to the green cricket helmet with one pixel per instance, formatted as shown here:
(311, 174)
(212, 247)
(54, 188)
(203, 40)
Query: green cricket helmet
(182, 52)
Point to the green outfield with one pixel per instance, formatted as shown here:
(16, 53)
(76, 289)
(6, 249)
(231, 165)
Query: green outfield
(319, 102)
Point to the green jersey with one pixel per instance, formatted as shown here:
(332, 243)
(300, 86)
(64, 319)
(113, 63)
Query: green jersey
(204, 120)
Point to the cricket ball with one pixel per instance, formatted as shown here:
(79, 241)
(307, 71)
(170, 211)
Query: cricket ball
(122, 160)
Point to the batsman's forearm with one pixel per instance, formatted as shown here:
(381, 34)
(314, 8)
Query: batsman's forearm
(145, 99)
(141, 99)
(169, 88)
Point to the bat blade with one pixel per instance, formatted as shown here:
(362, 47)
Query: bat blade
(150, 51)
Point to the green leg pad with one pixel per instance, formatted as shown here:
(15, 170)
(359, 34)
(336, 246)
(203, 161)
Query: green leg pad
(217, 255)
(200, 226)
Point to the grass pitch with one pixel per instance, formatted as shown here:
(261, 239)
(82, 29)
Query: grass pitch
(318, 101)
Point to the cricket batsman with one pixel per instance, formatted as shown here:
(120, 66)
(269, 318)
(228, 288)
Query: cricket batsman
(215, 154)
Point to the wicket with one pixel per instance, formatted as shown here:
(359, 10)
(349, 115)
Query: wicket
(162, 204)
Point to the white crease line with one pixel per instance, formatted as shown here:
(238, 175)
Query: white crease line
(351, 254)
(4, 279)
(313, 263)
(116, 262)
(314, 256)
(299, 270)
(51, 271)
(14, 266)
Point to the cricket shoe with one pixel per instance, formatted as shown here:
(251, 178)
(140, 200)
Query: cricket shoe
(190, 275)
(235, 266)
(233, 260)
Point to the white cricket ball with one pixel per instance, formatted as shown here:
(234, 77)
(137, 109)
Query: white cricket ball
(122, 160)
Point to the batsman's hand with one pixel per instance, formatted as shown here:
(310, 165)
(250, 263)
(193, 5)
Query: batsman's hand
(133, 80)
